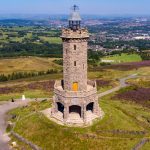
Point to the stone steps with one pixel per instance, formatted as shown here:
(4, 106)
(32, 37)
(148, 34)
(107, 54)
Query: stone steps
(90, 116)
(74, 118)
(58, 116)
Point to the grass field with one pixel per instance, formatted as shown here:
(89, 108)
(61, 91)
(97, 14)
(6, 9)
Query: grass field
(39, 64)
(125, 123)
(27, 64)
(52, 40)
(146, 146)
(28, 93)
(123, 58)
(119, 116)
(30, 33)
(143, 81)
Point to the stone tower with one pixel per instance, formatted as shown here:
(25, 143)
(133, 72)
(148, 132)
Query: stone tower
(75, 101)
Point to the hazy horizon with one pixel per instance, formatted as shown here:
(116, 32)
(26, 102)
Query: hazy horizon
(94, 7)
(65, 16)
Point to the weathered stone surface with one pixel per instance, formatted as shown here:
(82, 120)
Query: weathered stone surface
(81, 106)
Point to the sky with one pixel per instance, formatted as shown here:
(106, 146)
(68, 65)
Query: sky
(99, 7)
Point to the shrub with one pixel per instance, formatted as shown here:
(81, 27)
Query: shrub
(138, 95)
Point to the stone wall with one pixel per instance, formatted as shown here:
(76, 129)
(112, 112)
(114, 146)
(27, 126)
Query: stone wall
(79, 98)
(66, 99)
(58, 90)
(70, 34)
(75, 60)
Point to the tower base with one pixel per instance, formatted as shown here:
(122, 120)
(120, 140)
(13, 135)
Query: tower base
(75, 108)
(76, 122)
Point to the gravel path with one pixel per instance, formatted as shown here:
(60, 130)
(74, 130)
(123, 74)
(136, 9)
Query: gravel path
(4, 139)
(4, 108)
(122, 85)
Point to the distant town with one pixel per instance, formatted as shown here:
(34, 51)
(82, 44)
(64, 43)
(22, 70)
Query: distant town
(107, 34)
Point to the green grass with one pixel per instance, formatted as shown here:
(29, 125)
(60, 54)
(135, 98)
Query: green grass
(118, 115)
(27, 64)
(29, 35)
(124, 58)
(20, 145)
(57, 136)
(143, 81)
(28, 94)
(33, 63)
(146, 146)
(32, 107)
(52, 40)
(16, 39)
(105, 88)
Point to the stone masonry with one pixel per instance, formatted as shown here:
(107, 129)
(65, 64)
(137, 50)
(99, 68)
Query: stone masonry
(75, 101)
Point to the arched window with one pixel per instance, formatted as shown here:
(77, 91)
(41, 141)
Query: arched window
(60, 107)
(75, 109)
(90, 107)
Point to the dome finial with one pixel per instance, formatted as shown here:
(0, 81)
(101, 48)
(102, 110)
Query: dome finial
(75, 7)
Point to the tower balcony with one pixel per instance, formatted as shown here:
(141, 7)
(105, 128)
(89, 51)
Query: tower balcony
(59, 90)
(69, 34)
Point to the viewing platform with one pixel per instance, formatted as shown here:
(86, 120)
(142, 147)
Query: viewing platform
(59, 89)
(78, 34)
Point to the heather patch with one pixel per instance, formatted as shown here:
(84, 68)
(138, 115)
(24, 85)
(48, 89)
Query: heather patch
(45, 86)
(139, 95)
(125, 66)
(131, 65)
(140, 82)
(103, 83)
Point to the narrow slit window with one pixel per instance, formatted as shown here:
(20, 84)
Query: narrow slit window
(83, 66)
(75, 47)
(75, 63)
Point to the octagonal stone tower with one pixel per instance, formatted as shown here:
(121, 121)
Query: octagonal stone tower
(75, 101)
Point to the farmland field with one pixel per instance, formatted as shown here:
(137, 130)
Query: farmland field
(54, 40)
(123, 58)
(29, 41)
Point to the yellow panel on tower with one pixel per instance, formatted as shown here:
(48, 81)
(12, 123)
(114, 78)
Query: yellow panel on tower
(75, 86)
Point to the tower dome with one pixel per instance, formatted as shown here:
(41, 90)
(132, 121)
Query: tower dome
(75, 18)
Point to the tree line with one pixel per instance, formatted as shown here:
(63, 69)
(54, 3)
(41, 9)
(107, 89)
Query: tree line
(145, 56)
(22, 75)
(31, 49)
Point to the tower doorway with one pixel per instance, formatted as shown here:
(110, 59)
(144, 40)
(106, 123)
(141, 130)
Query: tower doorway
(75, 109)
(90, 107)
(75, 86)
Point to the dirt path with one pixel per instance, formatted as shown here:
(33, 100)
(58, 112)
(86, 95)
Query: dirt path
(122, 85)
(4, 108)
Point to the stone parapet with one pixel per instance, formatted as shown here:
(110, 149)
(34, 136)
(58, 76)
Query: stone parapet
(78, 34)
(92, 83)
(91, 89)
